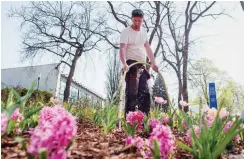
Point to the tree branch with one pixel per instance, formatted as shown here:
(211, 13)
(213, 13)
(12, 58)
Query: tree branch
(205, 10)
(115, 15)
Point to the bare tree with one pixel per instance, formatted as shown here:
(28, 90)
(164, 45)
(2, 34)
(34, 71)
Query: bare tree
(64, 29)
(113, 77)
(176, 42)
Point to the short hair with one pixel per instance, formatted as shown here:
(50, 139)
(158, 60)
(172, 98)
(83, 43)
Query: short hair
(137, 13)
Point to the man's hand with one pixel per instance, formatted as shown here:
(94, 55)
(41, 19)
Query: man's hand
(125, 68)
(155, 67)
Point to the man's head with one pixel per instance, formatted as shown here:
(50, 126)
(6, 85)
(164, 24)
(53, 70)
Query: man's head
(137, 18)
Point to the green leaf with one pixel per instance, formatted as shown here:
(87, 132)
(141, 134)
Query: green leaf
(229, 137)
(20, 104)
(2, 106)
(10, 97)
(193, 141)
(156, 151)
(16, 95)
(32, 112)
(11, 109)
(43, 154)
(22, 124)
(11, 125)
(184, 147)
(35, 118)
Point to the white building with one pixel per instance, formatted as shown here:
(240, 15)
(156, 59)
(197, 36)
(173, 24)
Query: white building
(49, 79)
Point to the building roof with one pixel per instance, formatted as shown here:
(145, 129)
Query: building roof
(84, 87)
(54, 64)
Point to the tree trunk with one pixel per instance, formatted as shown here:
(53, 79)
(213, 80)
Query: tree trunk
(179, 89)
(71, 74)
(185, 63)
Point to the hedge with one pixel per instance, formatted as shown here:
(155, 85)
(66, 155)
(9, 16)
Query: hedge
(37, 96)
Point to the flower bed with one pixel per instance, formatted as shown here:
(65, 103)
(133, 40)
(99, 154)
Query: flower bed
(53, 132)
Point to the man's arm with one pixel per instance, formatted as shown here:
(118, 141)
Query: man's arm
(149, 52)
(151, 56)
(122, 50)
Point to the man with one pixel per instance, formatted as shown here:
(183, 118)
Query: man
(134, 46)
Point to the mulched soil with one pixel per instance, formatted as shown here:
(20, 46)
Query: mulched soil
(91, 143)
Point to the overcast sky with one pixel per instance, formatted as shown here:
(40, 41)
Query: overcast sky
(223, 44)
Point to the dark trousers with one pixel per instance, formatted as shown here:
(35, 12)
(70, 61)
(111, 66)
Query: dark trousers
(137, 91)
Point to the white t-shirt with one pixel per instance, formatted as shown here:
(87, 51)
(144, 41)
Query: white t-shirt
(135, 41)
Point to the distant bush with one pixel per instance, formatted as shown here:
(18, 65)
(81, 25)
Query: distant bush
(37, 96)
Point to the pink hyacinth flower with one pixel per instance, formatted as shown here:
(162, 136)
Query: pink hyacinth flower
(210, 120)
(138, 141)
(184, 123)
(196, 131)
(227, 129)
(60, 154)
(55, 130)
(213, 112)
(223, 113)
(4, 122)
(135, 117)
(183, 103)
(165, 139)
(17, 115)
(237, 139)
(165, 120)
(228, 126)
(160, 100)
(153, 123)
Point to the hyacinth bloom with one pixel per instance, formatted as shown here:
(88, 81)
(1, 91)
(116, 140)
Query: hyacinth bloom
(165, 120)
(41, 138)
(165, 139)
(213, 112)
(227, 128)
(138, 141)
(50, 114)
(196, 131)
(55, 130)
(183, 103)
(60, 154)
(237, 138)
(135, 117)
(17, 115)
(160, 100)
(223, 113)
(210, 120)
(184, 123)
(210, 115)
(4, 122)
(153, 123)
